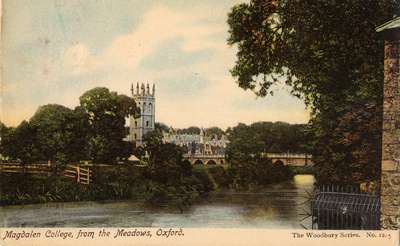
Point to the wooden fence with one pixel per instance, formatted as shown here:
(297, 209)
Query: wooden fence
(82, 175)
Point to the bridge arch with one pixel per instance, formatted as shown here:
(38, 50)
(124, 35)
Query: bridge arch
(279, 163)
(198, 162)
(211, 162)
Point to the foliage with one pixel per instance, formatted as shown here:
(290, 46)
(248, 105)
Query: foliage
(249, 171)
(20, 143)
(94, 130)
(211, 131)
(266, 137)
(247, 147)
(189, 130)
(106, 112)
(220, 176)
(53, 133)
(161, 126)
(214, 131)
(167, 177)
(59, 134)
(330, 54)
(4, 133)
(353, 147)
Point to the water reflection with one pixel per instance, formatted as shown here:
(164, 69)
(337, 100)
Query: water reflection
(276, 206)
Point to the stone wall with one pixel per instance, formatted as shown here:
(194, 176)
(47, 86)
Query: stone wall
(390, 187)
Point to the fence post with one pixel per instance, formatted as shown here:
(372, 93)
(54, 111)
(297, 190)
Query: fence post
(88, 176)
(77, 174)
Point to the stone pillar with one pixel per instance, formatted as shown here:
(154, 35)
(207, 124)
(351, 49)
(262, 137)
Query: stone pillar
(390, 182)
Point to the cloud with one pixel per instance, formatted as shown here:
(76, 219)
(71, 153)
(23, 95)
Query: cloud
(79, 60)
(180, 47)
(157, 27)
(187, 56)
(171, 55)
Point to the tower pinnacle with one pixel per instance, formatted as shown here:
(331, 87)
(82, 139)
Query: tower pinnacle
(142, 89)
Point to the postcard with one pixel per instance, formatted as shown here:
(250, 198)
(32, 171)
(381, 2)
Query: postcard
(171, 122)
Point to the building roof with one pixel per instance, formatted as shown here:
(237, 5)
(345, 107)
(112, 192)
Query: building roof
(390, 25)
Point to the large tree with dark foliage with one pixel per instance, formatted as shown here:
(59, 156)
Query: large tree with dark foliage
(20, 143)
(106, 113)
(54, 133)
(266, 137)
(59, 134)
(330, 54)
(94, 130)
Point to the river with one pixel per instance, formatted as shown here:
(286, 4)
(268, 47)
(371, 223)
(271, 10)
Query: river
(278, 206)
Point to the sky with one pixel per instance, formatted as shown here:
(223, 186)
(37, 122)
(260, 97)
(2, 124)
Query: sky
(55, 50)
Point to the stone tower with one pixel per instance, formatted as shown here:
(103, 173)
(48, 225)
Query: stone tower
(145, 101)
(390, 181)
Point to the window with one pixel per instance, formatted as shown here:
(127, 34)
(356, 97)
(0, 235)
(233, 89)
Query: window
(147, 123)
(135, 123)
(150, 107)
(135, 136)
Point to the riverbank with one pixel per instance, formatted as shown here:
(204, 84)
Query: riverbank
(275, 206)
(118, 183)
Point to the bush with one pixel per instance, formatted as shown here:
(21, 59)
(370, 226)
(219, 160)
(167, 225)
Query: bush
(220, 176)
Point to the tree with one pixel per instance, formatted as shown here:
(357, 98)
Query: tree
(53, 133)
(265, 137)
(4, 130)
(243, 143)
(165, 159)
(161, 126)
(20, 143)
(353, 147)
(106, 113)
(214, 131)
(189, 130)
(327, 51)
(59, 134)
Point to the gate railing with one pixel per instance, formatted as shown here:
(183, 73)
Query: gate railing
(82, 175)
(339, 207)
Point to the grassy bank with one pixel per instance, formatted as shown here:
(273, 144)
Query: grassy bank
(116, 183)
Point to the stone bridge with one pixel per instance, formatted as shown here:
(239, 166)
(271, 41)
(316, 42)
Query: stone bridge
(285, 158)
(203, 159)
(298, 160)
